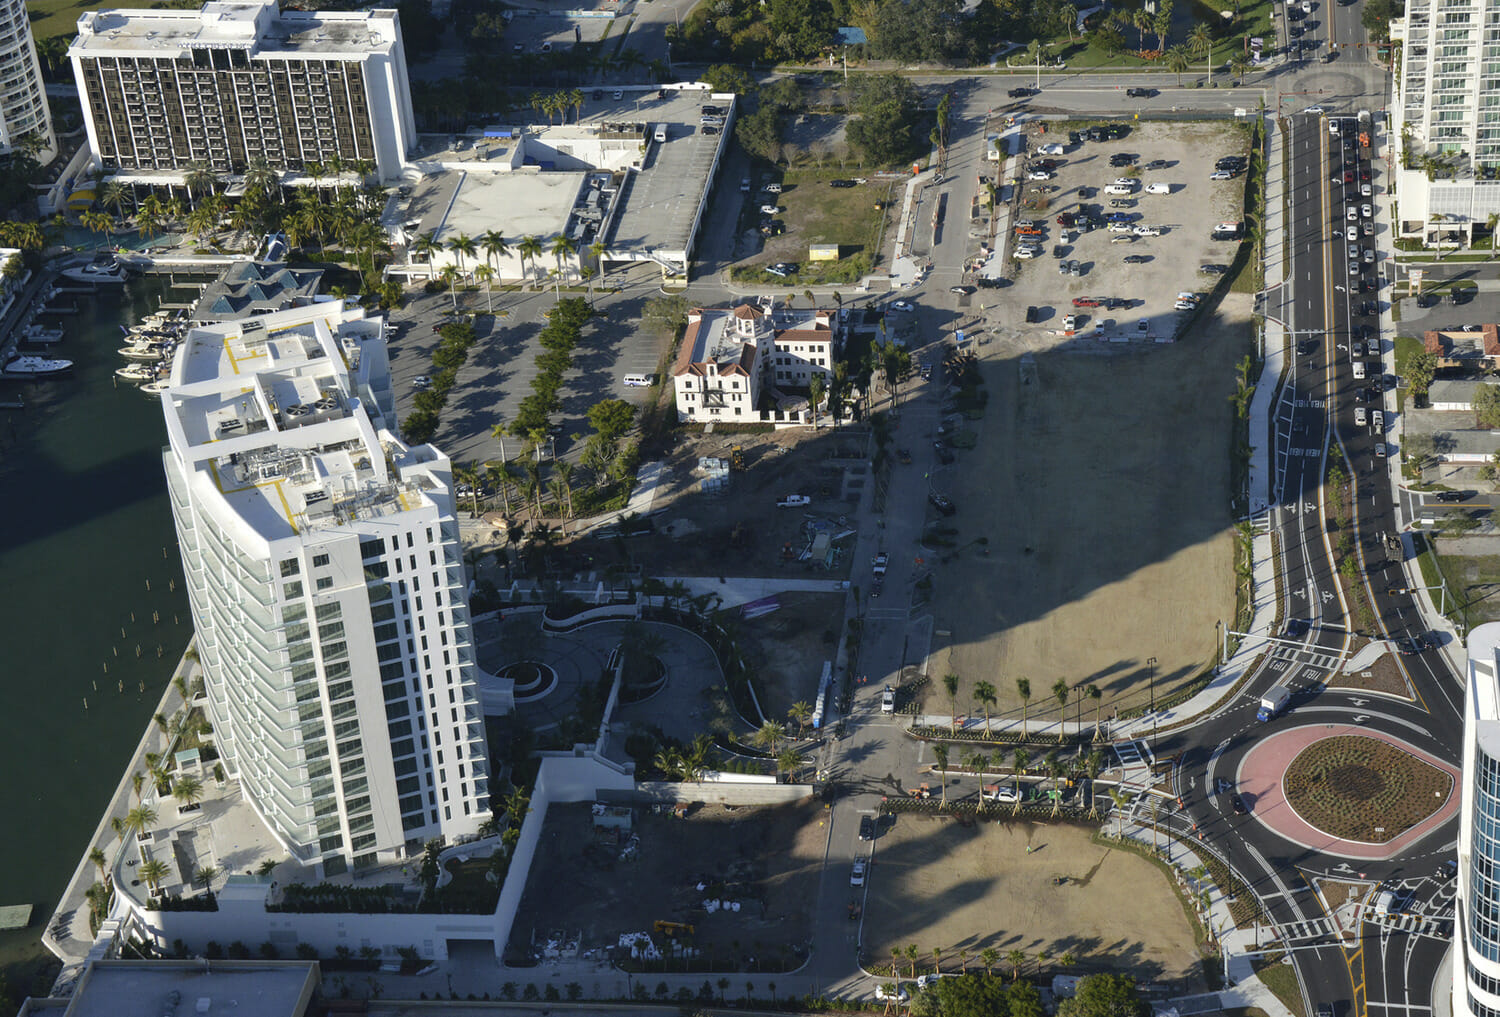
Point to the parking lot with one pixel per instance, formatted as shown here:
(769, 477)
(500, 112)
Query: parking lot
(1022, 886)
(1166, 170)
(502, 363)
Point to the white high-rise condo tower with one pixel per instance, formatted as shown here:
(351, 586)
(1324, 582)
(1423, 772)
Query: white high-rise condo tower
(327, 587)
(23, 101)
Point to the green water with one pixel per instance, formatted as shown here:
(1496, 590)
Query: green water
(83, 523)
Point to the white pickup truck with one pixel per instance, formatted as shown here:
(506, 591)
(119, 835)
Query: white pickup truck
(794, 501)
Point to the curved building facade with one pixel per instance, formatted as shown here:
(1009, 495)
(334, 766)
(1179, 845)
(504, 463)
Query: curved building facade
(327, 587)
(23, 100)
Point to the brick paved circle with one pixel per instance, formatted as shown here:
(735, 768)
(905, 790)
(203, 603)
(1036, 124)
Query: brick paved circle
(1259, 782)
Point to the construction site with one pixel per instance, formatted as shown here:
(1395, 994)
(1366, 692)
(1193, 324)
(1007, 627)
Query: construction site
(675, 888)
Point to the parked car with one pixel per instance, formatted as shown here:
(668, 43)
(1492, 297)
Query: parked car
(1221, 175)
(866, 827)
(904, 306)
(841, 183)
(773, 188)
(1214, 269)
(857, 873)
(1137, 259)
(942, 503)
(769, 209)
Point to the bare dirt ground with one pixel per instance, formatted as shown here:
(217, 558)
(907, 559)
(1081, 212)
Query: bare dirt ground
(578, 884)
(1101, 479)
(739, 529)
(786, 648)
(937, 884)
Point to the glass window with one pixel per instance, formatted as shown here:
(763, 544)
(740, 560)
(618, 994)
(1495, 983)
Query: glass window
(290, 567)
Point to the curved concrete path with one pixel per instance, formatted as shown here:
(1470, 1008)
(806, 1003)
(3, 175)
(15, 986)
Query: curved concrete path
(1259, 782)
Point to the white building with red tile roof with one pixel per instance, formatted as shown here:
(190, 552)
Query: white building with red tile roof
(735, 365)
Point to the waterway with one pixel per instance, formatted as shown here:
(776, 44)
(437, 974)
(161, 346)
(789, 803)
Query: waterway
(92, 611)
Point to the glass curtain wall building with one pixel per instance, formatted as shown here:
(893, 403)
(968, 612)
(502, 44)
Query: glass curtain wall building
(1476, 962)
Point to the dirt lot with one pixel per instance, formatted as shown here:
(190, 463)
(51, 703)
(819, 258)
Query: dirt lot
(937, 884)
(1187, 216)
(771, 856)
(739, 530)
(1109, 540)
(786, 648)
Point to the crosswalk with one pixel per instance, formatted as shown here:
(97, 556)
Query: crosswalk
(1434, 926)
(1133, 754)
(1283, 657)
(1313, 928)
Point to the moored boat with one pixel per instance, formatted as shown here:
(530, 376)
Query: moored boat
(24, 366)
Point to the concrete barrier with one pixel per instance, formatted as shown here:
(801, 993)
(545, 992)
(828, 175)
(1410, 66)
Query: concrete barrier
(724, 789)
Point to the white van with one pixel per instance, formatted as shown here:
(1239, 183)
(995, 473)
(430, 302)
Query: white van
(638, 381)
(1359, 370)
(661, 132)
(1385, 903)
(1158, 188)
(1378, 419)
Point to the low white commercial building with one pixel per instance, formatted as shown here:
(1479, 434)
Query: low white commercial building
(628, 181)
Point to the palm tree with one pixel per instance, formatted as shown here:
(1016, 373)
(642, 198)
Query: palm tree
(1023, 689)
(199, 179)
(1019, 759)
(188, 790)
(424, 246)
(799, 713)
(950, 685)
(112, 197)
(449, 275)
(98, 897)
(1201, 42)
(1161, 23)
(1239, 65)
(1093, 765)
(1015, 959)
(206, 876)
(940, 757)
(1097, 695)
(260, 177)
(1177, 60)
(1060, 692)
(979, 760)
(153, 872)
(1055, 772)
(486, 275)
(937, 956)
(670, 763)
(137, 781)
(139, 819)
(789, 761)
(984, 692)
(461, 246)
(493, 242)
(911, 954)
(529, 249)
(815, 390)
(1142, 21)
(770, 735)
(562, 250)
(597, 252)
(96, 855)
(988, 956)
(1121, 800)
(99, 223)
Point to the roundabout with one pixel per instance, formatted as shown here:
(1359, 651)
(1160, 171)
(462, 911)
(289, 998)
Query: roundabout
(1348, 791)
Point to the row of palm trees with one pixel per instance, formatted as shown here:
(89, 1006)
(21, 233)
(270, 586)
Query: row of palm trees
(986, 696)
(1052, 764)
(528, 487)
(494, 245)
(989, 957)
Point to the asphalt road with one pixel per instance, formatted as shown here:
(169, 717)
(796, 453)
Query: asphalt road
(1322, 307)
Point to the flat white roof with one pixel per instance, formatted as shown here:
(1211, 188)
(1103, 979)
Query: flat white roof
(267, 419)
(140, 988)
(254, 26)
(519, 204)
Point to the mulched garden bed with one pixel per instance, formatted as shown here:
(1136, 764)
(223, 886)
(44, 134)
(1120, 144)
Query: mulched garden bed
(1363, 789)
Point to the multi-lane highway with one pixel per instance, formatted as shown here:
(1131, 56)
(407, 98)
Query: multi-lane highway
(1329, 307)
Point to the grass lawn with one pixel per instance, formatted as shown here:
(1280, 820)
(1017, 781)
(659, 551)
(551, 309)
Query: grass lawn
(60, 17)
(1281, 979)
(1407, 346)
(815, 213)
(1436, 569)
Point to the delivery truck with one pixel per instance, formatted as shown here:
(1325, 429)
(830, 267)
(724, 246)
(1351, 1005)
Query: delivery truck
(1273, 702)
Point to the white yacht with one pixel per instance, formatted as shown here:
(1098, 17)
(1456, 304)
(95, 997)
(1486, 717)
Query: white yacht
(103, 269)
(19, 366)
(41, 334)
(137, 374)
(146, 353)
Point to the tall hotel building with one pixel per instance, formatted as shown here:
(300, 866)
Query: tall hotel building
(1446, 108)
(1476, 955)
(327, 588)
(238, 80)
(23, 103)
